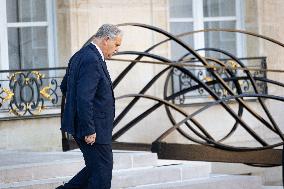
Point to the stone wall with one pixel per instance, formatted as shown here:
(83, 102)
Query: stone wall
(31, 134)
(270, 24)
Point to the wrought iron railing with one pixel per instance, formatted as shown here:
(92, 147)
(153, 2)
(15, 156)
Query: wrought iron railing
(182, 81)
(30, 92)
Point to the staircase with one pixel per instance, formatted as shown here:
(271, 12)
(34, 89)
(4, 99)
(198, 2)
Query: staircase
(136, 170)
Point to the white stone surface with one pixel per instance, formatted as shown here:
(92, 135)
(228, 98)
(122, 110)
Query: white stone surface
(269, 176)
(31, 134)
(132, 169)
(23, 166)
(220, 182)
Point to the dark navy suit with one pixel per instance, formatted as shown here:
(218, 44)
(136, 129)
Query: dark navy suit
(90, 109)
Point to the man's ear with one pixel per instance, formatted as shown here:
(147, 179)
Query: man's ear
(105, 40)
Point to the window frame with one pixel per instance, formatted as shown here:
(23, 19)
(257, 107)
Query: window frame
(49, 24)
(198, 21)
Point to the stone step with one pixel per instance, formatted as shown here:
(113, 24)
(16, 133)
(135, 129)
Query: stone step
(167, 171)
(214, 182)
(124, 178)
(50, 183)
(24, 166)
(271, 176)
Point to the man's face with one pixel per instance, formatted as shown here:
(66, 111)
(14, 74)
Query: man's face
(111, 46)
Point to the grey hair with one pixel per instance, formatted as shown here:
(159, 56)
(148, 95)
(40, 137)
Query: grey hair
(108, 30)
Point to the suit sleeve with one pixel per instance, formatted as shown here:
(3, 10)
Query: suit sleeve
(87, 83)
(63, 85)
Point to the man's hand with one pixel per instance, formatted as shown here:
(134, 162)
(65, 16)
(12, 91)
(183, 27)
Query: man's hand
(90, 139)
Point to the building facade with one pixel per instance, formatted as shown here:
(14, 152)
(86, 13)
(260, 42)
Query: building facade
(45, 33)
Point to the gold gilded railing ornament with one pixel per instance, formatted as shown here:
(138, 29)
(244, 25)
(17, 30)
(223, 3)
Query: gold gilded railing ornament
(38, 74)
(12, 111)
(13, 76)
(45, 92)
(40, 108)
(9, 94)
(27, 80)
(232, 64)
(30, 94)
(208, 79)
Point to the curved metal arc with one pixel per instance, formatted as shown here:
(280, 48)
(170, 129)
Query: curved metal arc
(181, 43)
(128, 68)
(170, 116)
(269, 81)
(141, 116)
(124, 72)
(205, 30)
(222, 146)
(192, 88)
(253, 134)
(229, 110)
(203, 61)
(184, 70)
(160, 102)
(186, 90)
(275, 126)
(134, 121)
(149, 84)
(124, 129)
(195, 87)
(243, 104)
(240, 109)
(152, 109)
(169, 131)
(120, 116)
(133, 102)
(239, 90)
(223, 83)
(240, 100)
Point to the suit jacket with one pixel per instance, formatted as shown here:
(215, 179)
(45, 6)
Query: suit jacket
(89, 106)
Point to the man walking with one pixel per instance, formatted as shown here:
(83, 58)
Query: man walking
(89, 109)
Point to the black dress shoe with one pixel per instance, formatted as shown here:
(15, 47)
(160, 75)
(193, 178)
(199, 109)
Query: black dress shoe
(63, 187)
(60, 187)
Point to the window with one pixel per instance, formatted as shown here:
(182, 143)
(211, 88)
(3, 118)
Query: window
(27, 34)
(190, 15)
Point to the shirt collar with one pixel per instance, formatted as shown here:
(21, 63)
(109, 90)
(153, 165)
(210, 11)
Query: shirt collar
(100, 51)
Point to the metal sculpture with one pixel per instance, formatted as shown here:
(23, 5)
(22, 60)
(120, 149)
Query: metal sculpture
(204, 137)
(221, 74)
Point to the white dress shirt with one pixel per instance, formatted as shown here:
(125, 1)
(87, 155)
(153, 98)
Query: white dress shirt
(100, 51)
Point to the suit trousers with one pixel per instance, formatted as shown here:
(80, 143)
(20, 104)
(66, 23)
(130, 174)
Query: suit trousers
(97, 173)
